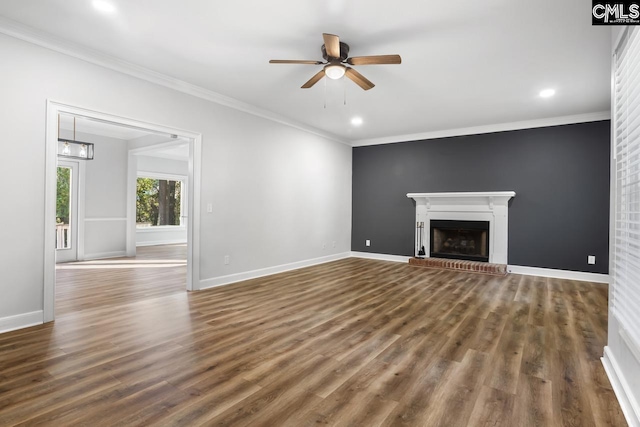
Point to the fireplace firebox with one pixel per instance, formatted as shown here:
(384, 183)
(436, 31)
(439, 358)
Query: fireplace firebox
(466, 240)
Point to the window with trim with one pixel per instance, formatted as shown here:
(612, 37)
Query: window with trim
(159, 202)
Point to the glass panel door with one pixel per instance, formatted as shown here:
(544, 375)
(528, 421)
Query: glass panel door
(63, 207)
(66, 211)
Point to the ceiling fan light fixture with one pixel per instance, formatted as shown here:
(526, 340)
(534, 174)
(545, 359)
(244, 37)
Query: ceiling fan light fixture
(335, 71)
(336, 54)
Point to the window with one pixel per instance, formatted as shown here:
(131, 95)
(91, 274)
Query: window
(159, 202)
(626, 143)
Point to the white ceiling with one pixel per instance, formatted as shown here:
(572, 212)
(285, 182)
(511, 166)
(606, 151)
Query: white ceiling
(464, 64)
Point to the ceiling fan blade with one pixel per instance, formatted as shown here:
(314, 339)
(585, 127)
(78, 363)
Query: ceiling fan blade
(376, 59)
(313, 80)
(293, 61)
(332, 45)
(358, 79)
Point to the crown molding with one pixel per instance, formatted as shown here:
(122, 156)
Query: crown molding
(20, 31)
(499, 127)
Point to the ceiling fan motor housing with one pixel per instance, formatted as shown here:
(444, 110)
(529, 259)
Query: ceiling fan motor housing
(344, 52)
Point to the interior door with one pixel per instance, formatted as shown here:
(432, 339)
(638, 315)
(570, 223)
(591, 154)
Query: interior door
(67, 211)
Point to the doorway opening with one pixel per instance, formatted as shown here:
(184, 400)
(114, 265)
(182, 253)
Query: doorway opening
(99, 247)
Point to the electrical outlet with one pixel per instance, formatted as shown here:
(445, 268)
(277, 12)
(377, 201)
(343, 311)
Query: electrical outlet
(227, 260)
(367, 242)
(334, 244)
(209, 207)
(324, 246)
(591, 259)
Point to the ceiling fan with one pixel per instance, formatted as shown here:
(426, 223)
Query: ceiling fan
(336, 54)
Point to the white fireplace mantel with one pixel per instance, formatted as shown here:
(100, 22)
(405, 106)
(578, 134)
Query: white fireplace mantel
(489, 206)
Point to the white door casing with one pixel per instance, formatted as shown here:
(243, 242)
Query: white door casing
(51, 141)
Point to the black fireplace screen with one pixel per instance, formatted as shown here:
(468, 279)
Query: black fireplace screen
(466, 240)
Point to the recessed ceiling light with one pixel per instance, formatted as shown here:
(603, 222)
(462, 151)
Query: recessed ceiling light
(104, 6)
(547, 93)
(356, 121)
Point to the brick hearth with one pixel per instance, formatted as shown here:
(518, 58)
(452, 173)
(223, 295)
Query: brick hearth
(454, 264)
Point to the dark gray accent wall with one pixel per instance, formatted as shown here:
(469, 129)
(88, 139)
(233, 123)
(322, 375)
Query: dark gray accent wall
(560, 174)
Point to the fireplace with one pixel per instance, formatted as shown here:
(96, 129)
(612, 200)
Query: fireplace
(466, 240)
(490, 207)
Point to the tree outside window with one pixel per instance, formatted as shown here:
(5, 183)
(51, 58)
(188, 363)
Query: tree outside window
(158, 202)
(62, 195)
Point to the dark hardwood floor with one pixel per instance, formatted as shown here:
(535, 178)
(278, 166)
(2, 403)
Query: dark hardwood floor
(354, 342)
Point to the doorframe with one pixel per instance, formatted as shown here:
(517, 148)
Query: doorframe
(51, 142)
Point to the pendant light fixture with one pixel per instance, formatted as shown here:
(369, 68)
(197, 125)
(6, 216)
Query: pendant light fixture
(70, 148)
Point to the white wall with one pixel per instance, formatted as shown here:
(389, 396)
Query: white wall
(105, 202)
(153, 236)
(622, 363)
(161, 235)
(160, 165)
(278, 193)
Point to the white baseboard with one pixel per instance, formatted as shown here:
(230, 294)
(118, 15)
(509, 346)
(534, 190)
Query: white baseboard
(19, 321)
(116, 254)
(162, 242)
(239, 277)
(559, 274)
(630, 408)
(381, 257)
